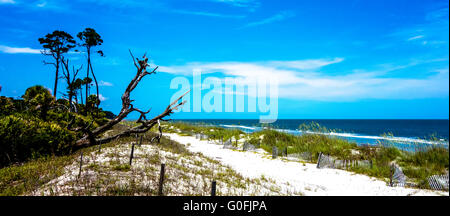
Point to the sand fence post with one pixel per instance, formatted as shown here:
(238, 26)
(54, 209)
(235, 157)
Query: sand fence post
(161, 180)
(213, 188)
(99, 146)
(81, 164)
(132, 152)
(274, 152)
(318, 160)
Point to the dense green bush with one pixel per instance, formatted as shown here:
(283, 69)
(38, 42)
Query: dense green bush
(38, 99)
(40, 126)
(23, 137)
(6, 106)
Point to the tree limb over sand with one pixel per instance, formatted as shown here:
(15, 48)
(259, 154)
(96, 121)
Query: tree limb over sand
(89, 138)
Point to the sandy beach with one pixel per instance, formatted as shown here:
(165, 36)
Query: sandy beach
(293, 175)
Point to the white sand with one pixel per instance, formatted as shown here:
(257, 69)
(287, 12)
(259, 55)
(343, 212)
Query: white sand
(189, 178)
(296, 176)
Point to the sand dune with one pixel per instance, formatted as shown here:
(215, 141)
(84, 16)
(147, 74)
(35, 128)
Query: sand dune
(296, 176)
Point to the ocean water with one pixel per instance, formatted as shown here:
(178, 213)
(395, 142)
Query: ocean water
(409, 135)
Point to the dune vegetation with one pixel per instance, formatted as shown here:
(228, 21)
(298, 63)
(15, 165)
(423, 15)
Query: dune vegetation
(106, 171)
(417, 166)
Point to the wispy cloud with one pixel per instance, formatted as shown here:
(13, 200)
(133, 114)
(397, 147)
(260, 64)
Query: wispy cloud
(240, 3)
(433, 30)
(305, 64)
(200, 13)
(104, 83)
(415, 37)
(229, 68)
(303, 79)
(7, 2)
(437, 15)
(42, 4)
(15, 50)
(102, 98)
(275, 18)
(122, 3)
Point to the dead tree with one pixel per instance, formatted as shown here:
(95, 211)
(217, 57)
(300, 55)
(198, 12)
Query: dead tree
(90, 136)
(71, 81)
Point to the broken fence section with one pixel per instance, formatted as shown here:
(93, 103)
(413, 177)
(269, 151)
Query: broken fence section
(438, 182)
(229, 145)
(398, 179)
(201, 136)
(247, 146)
(326, 161)
(307, 156)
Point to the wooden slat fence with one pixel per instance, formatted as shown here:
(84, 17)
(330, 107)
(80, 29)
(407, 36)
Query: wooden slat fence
(438, 182)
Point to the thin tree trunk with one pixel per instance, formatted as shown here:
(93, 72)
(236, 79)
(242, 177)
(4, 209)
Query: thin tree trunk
(87, 74)
(96, 85)
(70, 102)
(81, 95)
(56, 78)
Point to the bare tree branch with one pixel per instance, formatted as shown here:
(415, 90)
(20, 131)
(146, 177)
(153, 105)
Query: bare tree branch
(90, 137)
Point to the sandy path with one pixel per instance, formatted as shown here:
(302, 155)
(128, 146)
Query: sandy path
(295, 176)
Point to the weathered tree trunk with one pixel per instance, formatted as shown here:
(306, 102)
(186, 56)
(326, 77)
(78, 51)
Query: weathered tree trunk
(57, 74)
(96, 86)
(87, 75)
(90, 136)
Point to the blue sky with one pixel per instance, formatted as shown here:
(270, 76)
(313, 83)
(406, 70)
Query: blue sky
(333, 59)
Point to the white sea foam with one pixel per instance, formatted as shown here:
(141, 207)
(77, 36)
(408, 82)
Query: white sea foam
(239, 126)
(395, 139)
(409, 140)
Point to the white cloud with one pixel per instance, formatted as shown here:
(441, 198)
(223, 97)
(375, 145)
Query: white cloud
(102, 98)
(7, 2)
(42, 4)
(277, 17)
(240, 3)
(232, 68)
(434, 27)
(104, 83)
(305, 64)
(440, 14)
(200, 13)
(14, 50)
(415, 37)
(302, 79)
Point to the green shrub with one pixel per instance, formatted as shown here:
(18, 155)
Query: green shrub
(23, 137)
(436, 156)
(385, 155)
(6, 106)
(39, 99)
